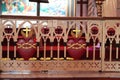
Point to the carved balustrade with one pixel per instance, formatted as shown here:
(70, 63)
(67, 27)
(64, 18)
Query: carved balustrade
(55, 42)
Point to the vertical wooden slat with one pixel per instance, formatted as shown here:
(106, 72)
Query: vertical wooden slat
(51, 37)
(8, 46)
(110, 54)
(117, 41)
(58, 50)
(87, 52)
(102, 45)
(44, 50)
(100, 52)
(38, 49)
(15, 37)
(87, 39)
(51, 51)
(38, 38)
(14, 51)
(94, 51)
(65, 51)
(110, 57)
(117, 52)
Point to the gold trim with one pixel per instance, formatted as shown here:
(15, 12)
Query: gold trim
(77, 34)
(26, 45)
(29, 34)
(76, 44)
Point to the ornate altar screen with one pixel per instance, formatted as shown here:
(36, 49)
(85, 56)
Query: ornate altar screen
(47, 43)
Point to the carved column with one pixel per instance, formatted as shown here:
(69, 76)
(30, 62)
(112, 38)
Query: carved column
(99, 4)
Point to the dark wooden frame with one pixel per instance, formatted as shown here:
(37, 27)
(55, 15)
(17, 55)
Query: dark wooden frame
(81, 2)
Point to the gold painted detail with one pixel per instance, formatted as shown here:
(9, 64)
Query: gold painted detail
(5, 59)
(47, 58)
(69, 58)
(76, 33)
(20, 59)
(26, 45)
(32, 59)
(76, 46)
(27, 32)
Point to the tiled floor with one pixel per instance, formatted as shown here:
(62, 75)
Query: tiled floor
(59, 74)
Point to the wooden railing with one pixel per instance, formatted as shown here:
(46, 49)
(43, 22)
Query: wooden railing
(59, 43)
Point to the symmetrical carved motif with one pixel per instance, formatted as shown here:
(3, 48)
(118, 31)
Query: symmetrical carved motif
(51, 37)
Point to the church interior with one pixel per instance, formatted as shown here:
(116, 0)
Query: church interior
(59, 39)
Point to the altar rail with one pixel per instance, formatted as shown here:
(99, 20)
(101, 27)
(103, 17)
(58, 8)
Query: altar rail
(98, 41)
